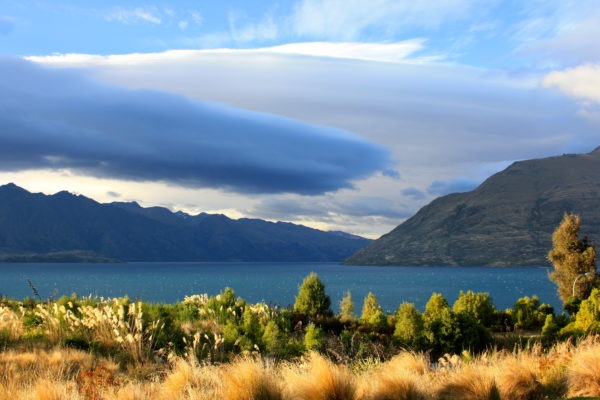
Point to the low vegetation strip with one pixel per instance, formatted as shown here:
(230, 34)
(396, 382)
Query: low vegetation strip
(562, 370)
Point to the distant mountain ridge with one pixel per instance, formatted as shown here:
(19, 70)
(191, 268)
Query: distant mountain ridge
(507, 221)
(35, 223)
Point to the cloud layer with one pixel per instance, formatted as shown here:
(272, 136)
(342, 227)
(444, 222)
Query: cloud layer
(60, 119)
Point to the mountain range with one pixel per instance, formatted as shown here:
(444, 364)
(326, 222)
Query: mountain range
(507, 221)
(35, 226)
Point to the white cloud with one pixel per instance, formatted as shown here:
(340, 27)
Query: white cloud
(385, 52)
(582, 82)
(132, 15)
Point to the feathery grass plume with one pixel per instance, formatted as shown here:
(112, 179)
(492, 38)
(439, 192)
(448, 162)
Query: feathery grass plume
(250, 378)
(518, 378)
(472, 382)
(584, 371)
(317, 378)
(11, 323)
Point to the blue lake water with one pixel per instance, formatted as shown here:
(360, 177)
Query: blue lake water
(276, 283)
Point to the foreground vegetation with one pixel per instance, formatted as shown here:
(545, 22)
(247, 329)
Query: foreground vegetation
(562, 370)
(222, 347)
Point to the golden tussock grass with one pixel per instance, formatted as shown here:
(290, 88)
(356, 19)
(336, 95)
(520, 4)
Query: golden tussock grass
(317, 378)
(584, 371)
(530, 374)
(250, 379)
(472, 382)
(518, 378)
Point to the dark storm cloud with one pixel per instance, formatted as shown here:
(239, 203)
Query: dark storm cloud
(60, 119)
(455, 185)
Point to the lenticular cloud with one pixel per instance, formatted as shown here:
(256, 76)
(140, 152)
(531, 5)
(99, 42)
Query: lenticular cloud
(61, 119)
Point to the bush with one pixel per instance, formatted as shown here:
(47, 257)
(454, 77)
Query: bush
(313, 338)
(477, 305)
(529, 314)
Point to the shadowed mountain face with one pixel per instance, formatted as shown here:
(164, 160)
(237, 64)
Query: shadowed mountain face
(37, 223)
(507, 221)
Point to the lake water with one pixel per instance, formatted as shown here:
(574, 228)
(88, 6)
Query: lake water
(276, 283)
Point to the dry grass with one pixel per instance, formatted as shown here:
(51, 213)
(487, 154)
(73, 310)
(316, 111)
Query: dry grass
(472, 382)
(317, 378)
(518, 378)
(522, 375)
(250, 379)
(584, 371)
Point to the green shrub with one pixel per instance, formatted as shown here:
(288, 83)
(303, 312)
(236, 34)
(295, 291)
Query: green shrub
(372, 313)
(529, 314)
(313, 337)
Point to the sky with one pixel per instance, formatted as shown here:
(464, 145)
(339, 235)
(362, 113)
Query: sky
(336, 114)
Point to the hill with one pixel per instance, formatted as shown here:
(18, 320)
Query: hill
(39, 224)
(507, 221)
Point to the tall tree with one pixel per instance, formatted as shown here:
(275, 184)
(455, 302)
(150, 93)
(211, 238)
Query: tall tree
(573, 259)
(311, 299)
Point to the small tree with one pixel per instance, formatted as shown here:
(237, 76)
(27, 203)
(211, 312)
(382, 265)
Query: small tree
(477, 305)
(313, 337)
(311, 299)
(409, 326)
(572, 257)
(347, 308)
(436, 305)
(372, 313)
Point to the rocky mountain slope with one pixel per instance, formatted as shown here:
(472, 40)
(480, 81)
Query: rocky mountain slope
(507, 221)
(34, 223)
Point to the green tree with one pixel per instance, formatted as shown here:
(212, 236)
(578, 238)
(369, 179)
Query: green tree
(347, 308)
(529, 313)
(436, 305)
(311, 299)
(572, 257)
(477, 305)
(550, 328)
(588, 317)
(271, 338)
(372, 313)
(313, 337)
(409, 326)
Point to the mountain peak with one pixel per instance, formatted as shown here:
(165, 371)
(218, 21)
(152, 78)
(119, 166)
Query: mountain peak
(507, 221)
(11, 187)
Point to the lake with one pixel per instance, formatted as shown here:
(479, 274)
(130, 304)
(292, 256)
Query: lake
(275, 283)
